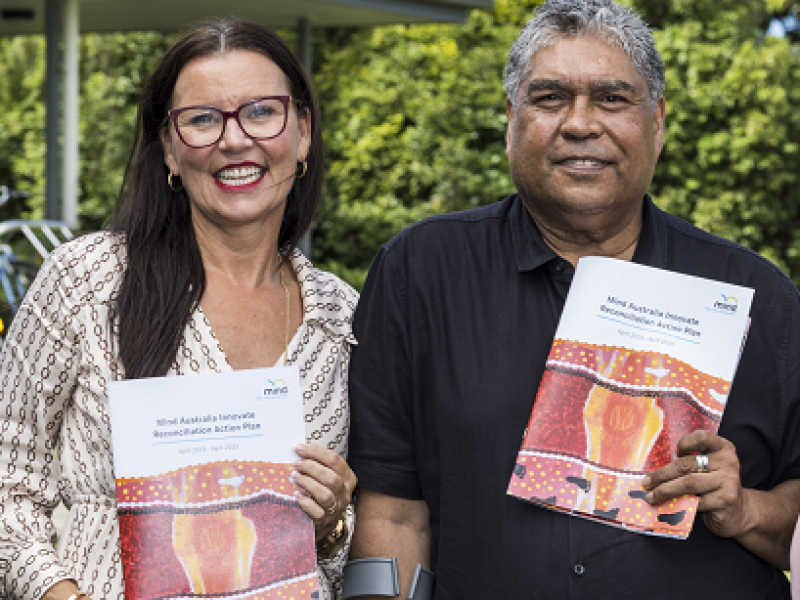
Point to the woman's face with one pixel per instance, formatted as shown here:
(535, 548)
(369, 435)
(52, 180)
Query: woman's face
(238, 180)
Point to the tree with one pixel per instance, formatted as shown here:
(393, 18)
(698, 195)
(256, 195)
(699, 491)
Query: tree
(415, 123)
(112, 69)
(21, 116)
(732, 162)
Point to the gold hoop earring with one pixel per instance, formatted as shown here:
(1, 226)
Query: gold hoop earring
(172, 186)
(304, 166)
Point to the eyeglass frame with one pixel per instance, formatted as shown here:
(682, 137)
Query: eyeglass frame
(232, 114)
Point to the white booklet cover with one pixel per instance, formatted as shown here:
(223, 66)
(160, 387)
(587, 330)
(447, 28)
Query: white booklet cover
(205, 504)
(641, 357)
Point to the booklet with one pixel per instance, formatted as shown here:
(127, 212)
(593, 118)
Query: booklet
(204, 500)
(641, 357)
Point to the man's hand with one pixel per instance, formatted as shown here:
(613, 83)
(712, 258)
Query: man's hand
(762, 522)
(723, 502)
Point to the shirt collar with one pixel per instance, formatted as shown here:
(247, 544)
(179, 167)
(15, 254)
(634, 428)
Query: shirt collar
(532, 251)
(651, 249)
(316, 292)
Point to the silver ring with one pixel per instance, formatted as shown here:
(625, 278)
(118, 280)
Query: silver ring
(702, 463)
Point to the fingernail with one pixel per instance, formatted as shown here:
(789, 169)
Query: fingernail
(293, 476)
(647, 482)
(649, 498)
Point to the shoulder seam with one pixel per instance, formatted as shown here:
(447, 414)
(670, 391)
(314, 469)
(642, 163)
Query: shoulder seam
(685, 228)
(472, 216)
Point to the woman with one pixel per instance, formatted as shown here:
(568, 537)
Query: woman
(199, 274)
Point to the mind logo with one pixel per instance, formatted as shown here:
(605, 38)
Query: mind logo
(278, 388)
(728, 304)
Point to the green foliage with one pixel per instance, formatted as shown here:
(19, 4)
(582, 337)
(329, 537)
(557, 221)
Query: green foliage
(112, 70)
(415, 123)
(731, 163)
(723, 19)
(21, 117)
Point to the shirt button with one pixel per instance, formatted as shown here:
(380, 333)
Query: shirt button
(579, 569)
(559, 266)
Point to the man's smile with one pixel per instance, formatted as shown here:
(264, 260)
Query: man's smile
(582, 162)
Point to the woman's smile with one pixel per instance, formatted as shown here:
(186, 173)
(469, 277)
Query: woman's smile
(240, 177)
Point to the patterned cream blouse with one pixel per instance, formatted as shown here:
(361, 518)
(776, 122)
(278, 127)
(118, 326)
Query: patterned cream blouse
(59, 356)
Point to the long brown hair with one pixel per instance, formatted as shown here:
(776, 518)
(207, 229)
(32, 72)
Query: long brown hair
(164, 279)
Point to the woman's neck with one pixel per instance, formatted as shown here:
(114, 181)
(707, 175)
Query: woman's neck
(245, 256)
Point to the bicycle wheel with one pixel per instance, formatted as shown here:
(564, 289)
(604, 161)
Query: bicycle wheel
(15, 277)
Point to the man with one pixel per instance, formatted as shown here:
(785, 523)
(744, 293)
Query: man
(456, 321)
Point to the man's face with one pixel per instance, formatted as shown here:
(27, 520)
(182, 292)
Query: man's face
(583, 136)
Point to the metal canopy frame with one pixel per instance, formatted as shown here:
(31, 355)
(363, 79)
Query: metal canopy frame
(97, 16)
(63, 20)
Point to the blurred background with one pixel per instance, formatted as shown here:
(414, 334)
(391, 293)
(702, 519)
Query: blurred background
(414, 119)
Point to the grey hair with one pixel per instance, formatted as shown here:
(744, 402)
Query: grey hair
(618, 26)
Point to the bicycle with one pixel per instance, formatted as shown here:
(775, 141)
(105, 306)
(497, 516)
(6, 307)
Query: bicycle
(24, 245)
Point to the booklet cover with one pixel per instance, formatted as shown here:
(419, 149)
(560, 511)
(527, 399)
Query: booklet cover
(641, 357)
(204, 500)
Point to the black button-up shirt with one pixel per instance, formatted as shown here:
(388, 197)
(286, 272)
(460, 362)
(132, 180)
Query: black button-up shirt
(454, 328)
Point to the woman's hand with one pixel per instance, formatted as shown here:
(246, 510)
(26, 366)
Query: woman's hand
(63, 590)
(325, 485)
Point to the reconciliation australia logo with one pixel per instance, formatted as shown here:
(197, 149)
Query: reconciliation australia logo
(728, 304)
(278, 388)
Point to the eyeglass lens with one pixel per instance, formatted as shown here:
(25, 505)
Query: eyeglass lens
(202, 126)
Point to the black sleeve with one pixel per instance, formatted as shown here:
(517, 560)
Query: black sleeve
(788, 462)
(381, 388)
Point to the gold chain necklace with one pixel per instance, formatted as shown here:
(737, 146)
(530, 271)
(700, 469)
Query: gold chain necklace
(288, 321)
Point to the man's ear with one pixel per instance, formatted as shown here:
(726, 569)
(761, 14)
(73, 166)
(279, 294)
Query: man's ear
(660, 117)
(509, 124)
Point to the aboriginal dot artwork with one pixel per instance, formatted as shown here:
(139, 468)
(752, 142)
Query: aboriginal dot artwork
(603, 417)
(224, 529)
(59, 355)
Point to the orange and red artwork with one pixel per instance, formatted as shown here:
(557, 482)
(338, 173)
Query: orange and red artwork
(228, 529)
(603, 417)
